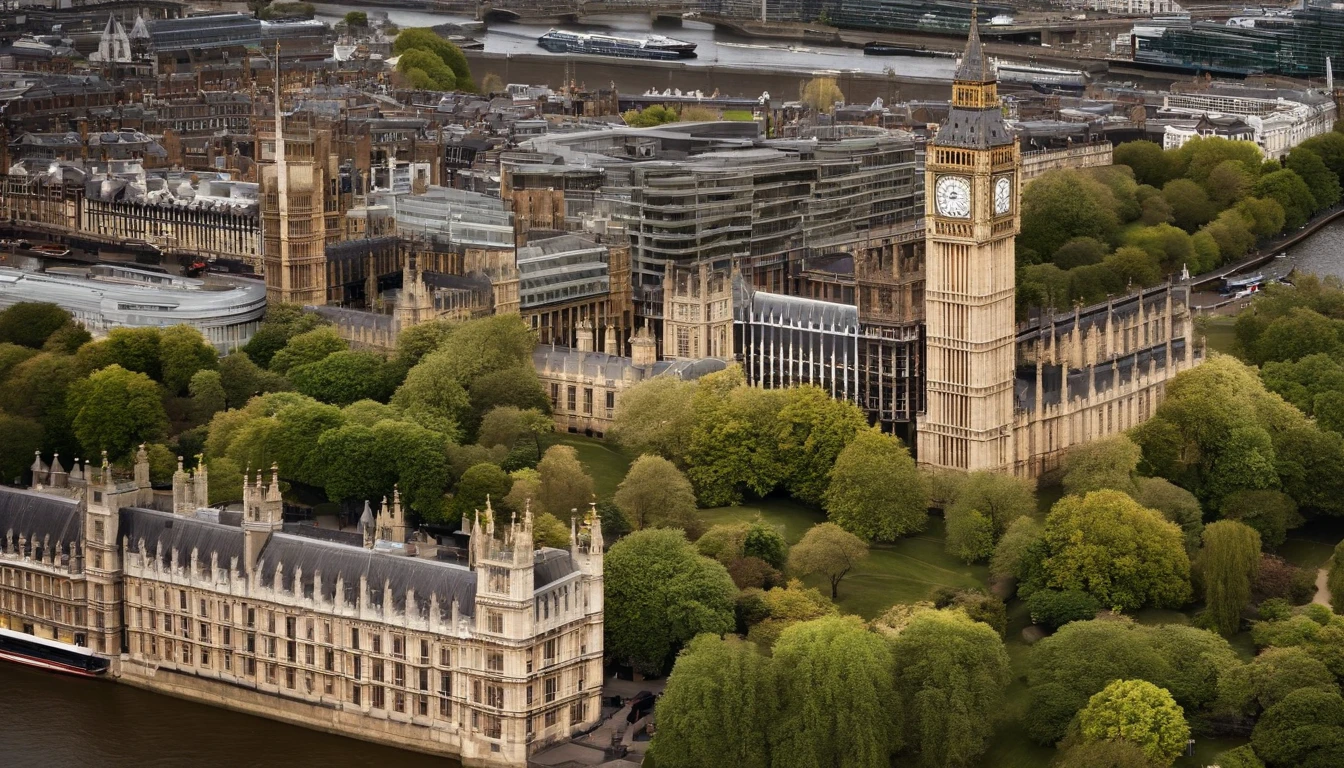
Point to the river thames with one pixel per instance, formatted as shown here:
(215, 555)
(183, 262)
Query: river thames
(713, 46)
(1322, 253)
(54, 721)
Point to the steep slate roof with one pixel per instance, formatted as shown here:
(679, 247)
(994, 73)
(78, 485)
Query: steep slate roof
(37, 516)
(975, 67)
(183, 534)
(450, 582)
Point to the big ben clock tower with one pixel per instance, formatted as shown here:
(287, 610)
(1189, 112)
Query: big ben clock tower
(971, 198)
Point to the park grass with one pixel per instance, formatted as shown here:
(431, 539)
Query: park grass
(738, 115)
(604, 460)
(789, 517)
(1311, 545)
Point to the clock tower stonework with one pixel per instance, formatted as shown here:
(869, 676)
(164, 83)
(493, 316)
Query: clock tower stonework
(972, 193)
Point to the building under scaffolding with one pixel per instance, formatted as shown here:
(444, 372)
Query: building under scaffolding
(789, 341)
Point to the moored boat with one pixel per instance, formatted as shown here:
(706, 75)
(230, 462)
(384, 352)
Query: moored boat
(51, 655)
(655, 47)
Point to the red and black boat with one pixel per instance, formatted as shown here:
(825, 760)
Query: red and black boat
(50, 655)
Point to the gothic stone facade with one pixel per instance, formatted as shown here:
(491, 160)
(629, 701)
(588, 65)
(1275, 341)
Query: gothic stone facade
(376, 638)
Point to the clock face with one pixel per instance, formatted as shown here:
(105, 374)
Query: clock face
(1003, 195)
(952, 195)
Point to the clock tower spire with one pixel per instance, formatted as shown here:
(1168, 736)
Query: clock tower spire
(971, 199)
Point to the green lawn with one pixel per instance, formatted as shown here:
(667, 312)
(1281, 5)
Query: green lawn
(788, 516)
(1311, 545)
(604, 460)
(1219, 334)
(739, 115)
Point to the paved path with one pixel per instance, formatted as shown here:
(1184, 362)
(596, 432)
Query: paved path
(1322, 588)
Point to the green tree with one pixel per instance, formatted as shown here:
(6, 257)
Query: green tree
(656, 417)
(282, 322)
(479, 483)
(1271, 677)
(813, 430)
(1270, 513)
(1228, 564)
(827, 550)
(1079, 252)
(1134, 266)
(1121, 553)
(1335, 578)
(1138, 712)
(426, 70)
(1152, 165)
(1320, 180)
(356, 19)
(135, 349)
(984, 506)
(226, 480)
(834, 683)
(1228, 182)
(1202, 154)
(308, 347)
(767, 543)
(548, 531)
(1263, 215)
(786, 606)
(242, 379)
(11, 355)
(821, 94)
(1190, 204)
(660, 593)
(1105, 754)
(718, 706)
(67, 339)
(1305, 730)
(114, 410)
(1292, 193)
(342, 377)
(183, 352)
(30, 324)
(970, 534)
(1298, 334)
(565, 486)
(22, 437)
(650, 117)
(1023, 535)
(515, 385)
(1169, 247)
(415, 342)
(507, 425)
(38, 389)
(1232, 232)
(655, 494)
(1053, 608)
(733, 447)
(1062, 205)
(1100, 464)
(876, 492)
(951, 673)
(207, 395)
(526, 489)
(1176, 504)
(429, 40)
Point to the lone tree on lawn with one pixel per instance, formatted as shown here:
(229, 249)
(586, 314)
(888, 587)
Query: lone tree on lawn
(829, 550)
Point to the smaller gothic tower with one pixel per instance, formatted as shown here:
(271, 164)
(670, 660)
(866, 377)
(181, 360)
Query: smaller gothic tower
(504, 573)
(262, 516)
(103, 500)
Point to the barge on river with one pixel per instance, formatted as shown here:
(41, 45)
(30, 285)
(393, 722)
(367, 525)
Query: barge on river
(50, 655)
(654, 47)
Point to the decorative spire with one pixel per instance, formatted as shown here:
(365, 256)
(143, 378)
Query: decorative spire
(974, 66)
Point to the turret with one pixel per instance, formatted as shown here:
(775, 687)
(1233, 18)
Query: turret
(57, 477)
(643, 348)
(583, 336)
(184, 495)
(367, 528)
(40, 470)
(262, 516)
